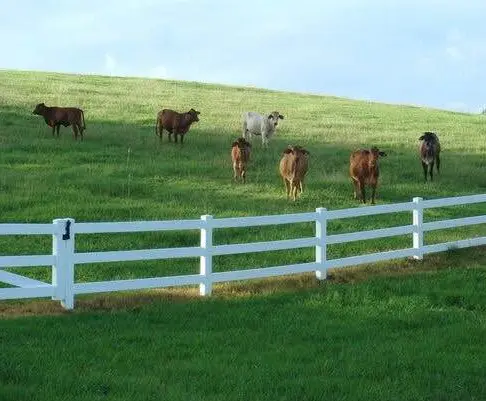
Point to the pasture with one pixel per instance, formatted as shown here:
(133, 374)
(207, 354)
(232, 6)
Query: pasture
(404, 330)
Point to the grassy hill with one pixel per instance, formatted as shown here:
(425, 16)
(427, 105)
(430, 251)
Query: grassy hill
(395, 330)
(122, 171)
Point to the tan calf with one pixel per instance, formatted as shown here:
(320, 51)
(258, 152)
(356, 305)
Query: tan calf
(293, 168)
(240, 155)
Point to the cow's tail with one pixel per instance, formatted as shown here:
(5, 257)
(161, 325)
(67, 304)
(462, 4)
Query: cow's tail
(157, 128)
(82, 117)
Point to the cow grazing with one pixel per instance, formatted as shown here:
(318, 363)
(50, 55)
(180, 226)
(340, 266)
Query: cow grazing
(240, 155)
(293, 168)
(175, 123)
(364, 169)
(57, 116)
(257, 124)
(429, 150)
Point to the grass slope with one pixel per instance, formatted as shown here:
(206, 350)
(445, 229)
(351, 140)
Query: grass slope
(400, 331)
(123, 172)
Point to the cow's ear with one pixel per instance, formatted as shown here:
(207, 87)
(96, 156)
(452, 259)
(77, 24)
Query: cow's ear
(383, 154)
(281, 116)
(235, 143)
(198, 112)
(306, 152)
(287, 151)
(270, 117)
(422, 137)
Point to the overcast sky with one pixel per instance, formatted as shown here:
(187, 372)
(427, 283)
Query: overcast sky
(423, 52)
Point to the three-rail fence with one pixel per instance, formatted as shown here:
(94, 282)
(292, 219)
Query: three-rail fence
(64, 257)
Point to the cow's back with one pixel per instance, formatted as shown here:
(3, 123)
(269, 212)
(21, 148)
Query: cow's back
(167, 118)
(253, 121)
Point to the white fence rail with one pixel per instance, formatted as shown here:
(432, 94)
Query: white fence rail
(64, 258)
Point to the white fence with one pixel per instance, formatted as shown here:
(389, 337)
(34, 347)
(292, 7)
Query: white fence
(64, 258)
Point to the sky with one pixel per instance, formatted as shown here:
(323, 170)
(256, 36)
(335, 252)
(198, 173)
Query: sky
(423, 52)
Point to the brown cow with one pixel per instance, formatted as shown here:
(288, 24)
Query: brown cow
(240, 155)
(364, 169)
(429, 150)
(66, 116)
(293, 168)
(175, 123)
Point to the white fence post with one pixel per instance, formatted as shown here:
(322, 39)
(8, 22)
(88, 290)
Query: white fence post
(418, 233)
(321, 247)
(63, 269)
(206, 260)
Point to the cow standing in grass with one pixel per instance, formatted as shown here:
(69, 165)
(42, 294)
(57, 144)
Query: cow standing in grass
(429, 150)
(66, 116)
(293, 168)
(240, 155)
(257, 124)
(175, 123)
(364, 169)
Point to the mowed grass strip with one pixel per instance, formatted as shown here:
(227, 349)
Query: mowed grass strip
(407, 337)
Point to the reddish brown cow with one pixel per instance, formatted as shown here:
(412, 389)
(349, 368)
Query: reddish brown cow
(293, 168)
(240, 155)
(364, 169)
(175, 123)
(66, 116)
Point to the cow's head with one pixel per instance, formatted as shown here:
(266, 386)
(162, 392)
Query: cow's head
(429, 143)
(377, 152)
(242, 143)
(274, 116)
(194, 115)
(296, 151)
(39, 109)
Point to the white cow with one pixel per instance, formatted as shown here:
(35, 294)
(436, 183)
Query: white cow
(257, 124)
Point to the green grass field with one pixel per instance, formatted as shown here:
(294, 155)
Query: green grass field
(394, 330)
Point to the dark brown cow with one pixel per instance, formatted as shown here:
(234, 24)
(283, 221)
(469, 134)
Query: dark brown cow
(240, 155)
(364, 169)
(293, 168)
(175, 123)
(66, 116)
(429, 150)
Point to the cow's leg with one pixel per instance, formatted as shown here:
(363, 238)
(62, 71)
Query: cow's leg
(75, 131)
(53, 129)
(245, 131)
(301, 184)
(175, 137)
(182, 139)
(294, 190)
(287, 187)
(362, 188)
(170, 135)
(373, 191)
(437, 163)
(235, 171)
(80, 129)
(355, 188)
(432, 171)
(424, 166)
(243, 174)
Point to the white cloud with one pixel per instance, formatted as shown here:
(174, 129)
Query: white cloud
(454, 53)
